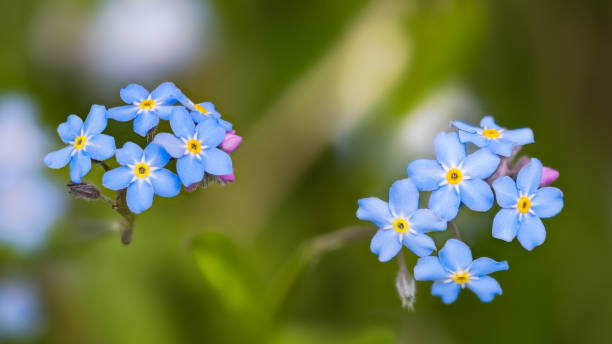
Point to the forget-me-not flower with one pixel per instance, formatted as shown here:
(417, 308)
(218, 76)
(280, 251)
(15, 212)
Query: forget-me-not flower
(523, 205)
(202, 111)
(142, 173)
(145, 108)
(454, 270)
(400, 222)
(195, 147)
(85, 142)
(493, 137)
(455, 178)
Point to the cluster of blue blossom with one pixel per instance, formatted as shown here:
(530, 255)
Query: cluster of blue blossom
(201, 142)
(454, 179)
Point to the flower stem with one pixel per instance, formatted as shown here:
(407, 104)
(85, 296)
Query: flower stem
(127, 225)
(101, 163)
(151, 134)
(455, 230)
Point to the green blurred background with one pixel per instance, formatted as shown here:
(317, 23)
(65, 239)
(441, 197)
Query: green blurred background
(333, 99)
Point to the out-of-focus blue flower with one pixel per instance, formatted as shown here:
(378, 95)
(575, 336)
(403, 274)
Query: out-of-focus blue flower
(454, 270)
(20, 313)
(455, 178)
(493, 137)
(400, 222)
(203, 111)
(85, 142)
(195, 147)
(142, 173)
(145, 108)
(523, 205)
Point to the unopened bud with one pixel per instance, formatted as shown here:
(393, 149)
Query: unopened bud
(227, 178)
(84, 190)
(231, 141)
(549, 175)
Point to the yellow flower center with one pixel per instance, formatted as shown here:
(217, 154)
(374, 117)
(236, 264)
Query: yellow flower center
(461, 277)
(194, 146)
(454, 176)
(400, 226)
(523, 205)
(490, 133)
(147, 104)
(200, 108)
(141, 170)
(79, 142)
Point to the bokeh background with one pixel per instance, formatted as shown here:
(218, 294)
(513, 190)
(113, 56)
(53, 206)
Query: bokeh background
(333, 99)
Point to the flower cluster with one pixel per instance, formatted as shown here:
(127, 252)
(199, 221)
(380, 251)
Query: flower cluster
(456, 178)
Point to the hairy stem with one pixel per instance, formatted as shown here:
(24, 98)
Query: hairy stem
(151, 134)
(455, 230)
(127, 225)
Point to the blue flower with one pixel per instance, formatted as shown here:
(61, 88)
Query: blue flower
(85, 142)
(400, 222)
(493, 137)
(20, 310)
(455, 178)
(523, 205)
(454, 270)
(202, 111)
(195, 147)
(146, 107)
(143, 174)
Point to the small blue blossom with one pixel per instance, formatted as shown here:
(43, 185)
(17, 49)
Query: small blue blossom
(493, 137)
(195, 147)
(85, 142)
(20, 311)
(142, 173)
(202, 111)
(400, 222)
(455, 178)
(454, 270)
(523, 205)
(145, 108)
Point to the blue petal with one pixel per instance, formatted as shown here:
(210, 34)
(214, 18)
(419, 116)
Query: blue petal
(506, 224)
(139, 196)
(131, 153)
(144, 122)
(486, 287)
(69, 130)
(476, 139)
(385, 244)
(455, 255)
(426, 174)
(445, 202)
(548, 202)
(156, 155)
(403, 198)
(519, 136)
(374, 210)
(210, 133)
(501, 146)
(464, 127)
(424, 220)
(476, 194)
(531, 232)
(166, 93)
(100, 147)
(80, 164)
(96, 120)
(449, 150)
(447, 291)
(123, 113)
(506, 192)
(164, 111)
(165, 183)
(480, 164)
(210, 108)
(225, 124)
(528, 178)
(172, 144)
(118, 178)
(181, 123)
(133, 93)
(420, 244)
(429, 269)
(216, 162)
(489, 123)
(190, 169)
(59, 158)
(485, 266)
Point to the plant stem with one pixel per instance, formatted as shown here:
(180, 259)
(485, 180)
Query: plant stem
(101, 163)
(151, 134)
(127, 225)
(455, 230)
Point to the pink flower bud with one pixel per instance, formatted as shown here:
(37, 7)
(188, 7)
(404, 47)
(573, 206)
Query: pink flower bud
(191, 187)
(227, 178)
(231, 141)
(549, 175)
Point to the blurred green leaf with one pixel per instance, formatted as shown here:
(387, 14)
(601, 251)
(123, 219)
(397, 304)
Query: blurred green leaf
(298, 334)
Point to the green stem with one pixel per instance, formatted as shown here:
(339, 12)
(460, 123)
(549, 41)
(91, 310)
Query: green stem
(455, 230)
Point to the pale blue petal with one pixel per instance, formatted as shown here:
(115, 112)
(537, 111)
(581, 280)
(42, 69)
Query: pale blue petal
(447, 291)
(385, 244)
(403, 198)
(166, 93)
(139, 196)
(156, 155)
(486, 287)
(449, 150)
(420, 244)
(216, 162)
(225, 124)
(429, 269)
(489, 123)
(69, 130)
(531, 232)
(190, 169)
(144, 122)
(374, 210)
(165, 111)
(445, 202)
(181, 123)
(100, 147)
(424, 220)
(131, 153)
(80, 164)
(481, 164)
(501, 146)
(426, 174)
(519, 136)
(548, 202)
(165, 183)
(506, 192)
(96, 120)
(506, 224)
(133, 93)
(118, 178)
(476, 139)
(210, 133)
(476, 194)
(59, 158)
(485, 266)
(455, 255)
(172, 144)
(464, 127)
(528, 178)
(123, 113)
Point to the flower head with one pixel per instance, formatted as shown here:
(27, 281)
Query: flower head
(523, 205)
(142, 173)
(195, 147)
(145, 108)
(454, 270)
(400, 222)
(202, 111)
(493, 137)
(455, 178)
(84, 142)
